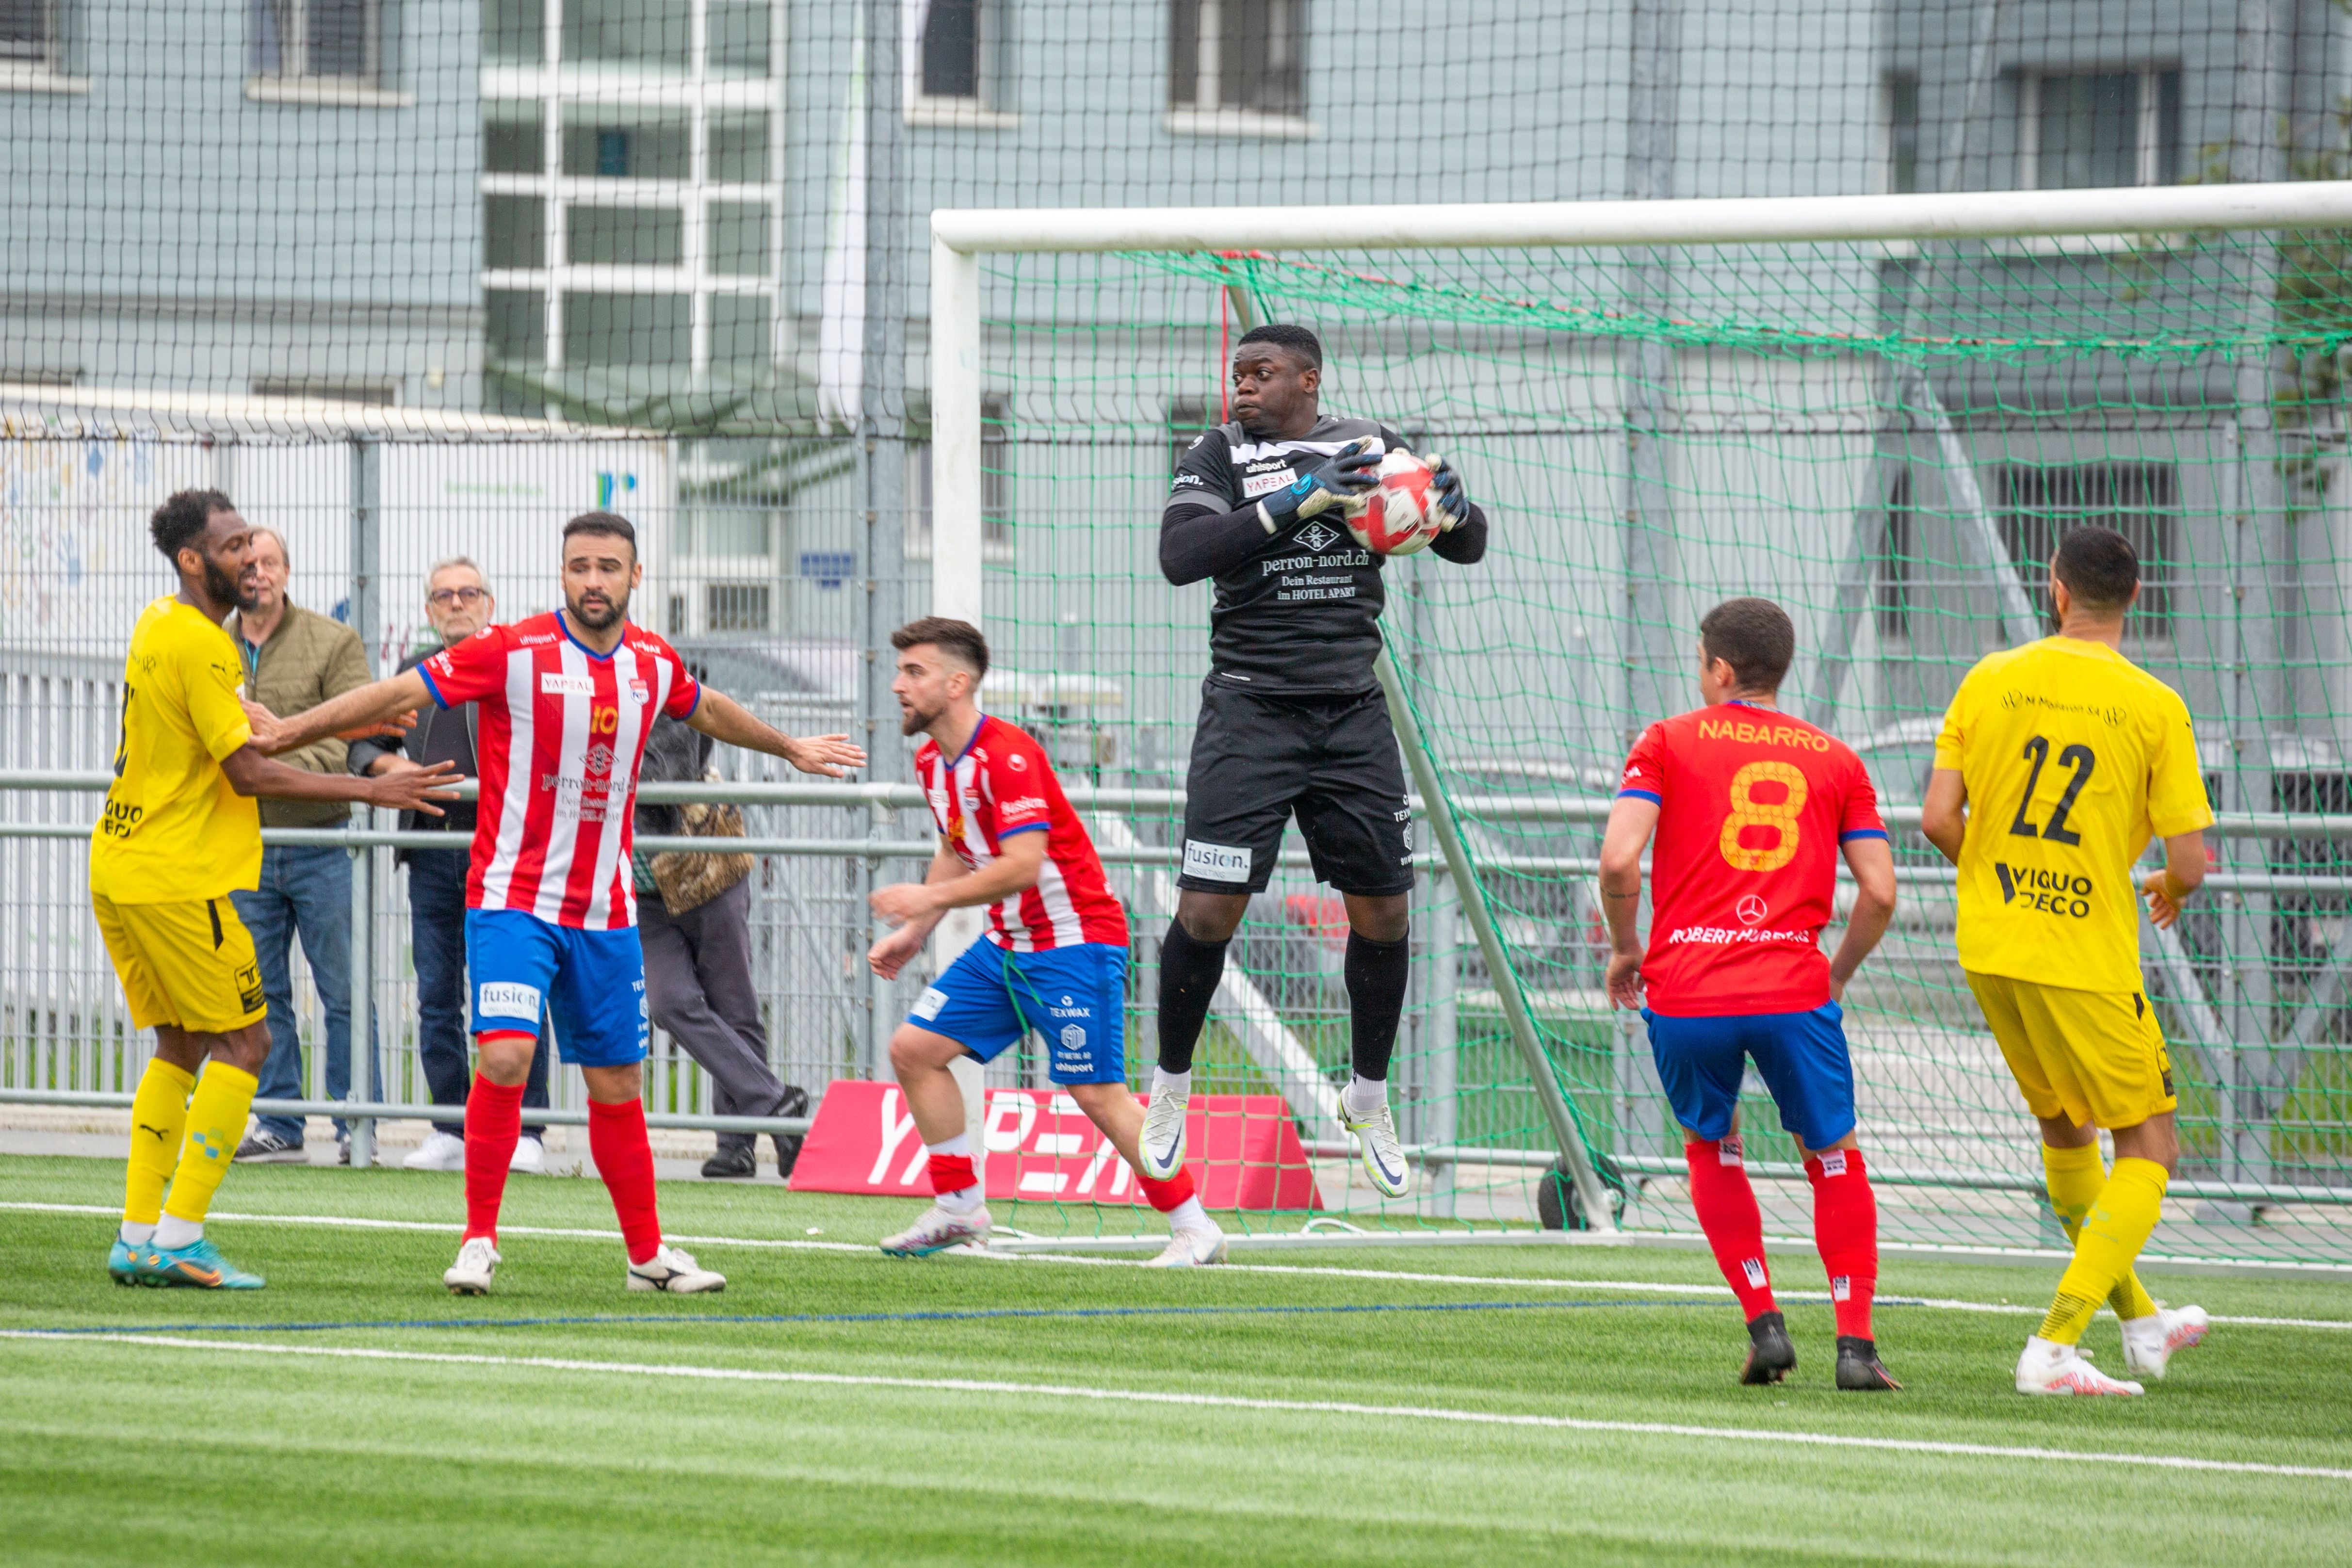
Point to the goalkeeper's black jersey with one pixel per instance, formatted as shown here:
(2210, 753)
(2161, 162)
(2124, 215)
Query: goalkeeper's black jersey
(1299, 616)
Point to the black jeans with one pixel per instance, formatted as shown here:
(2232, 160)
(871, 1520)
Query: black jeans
(437, 934)
(699, 987)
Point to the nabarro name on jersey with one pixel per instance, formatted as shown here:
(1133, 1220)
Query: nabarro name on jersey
(1746, 732)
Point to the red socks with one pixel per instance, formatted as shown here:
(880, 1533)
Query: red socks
(1166, 1195)
(1733, 1225)
(493, 1127)
(617, 1143)
(1845, 1229)
(952, 1174)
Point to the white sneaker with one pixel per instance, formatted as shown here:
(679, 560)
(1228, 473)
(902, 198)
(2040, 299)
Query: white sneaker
(1160, 1150)
(1383, 1156)
(470, 1275)
(674, 1271)
(2047, 1367)
(1192, 1248)
(2150, 1342)
(937, 1231)
(440, 1151)
(529, 1158)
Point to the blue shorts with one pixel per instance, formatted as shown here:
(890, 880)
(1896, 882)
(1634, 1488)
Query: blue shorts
(1074, 997)
(1801, 1056)
(592, 983)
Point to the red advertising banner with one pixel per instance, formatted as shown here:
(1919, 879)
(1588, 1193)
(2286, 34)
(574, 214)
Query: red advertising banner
(1243, 1151)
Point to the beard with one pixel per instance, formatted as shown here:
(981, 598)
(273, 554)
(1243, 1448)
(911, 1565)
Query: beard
(914, 720)
(598, 613)
(226, 589)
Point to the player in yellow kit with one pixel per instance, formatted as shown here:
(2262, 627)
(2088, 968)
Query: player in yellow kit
(2057, 763)
(179, 831)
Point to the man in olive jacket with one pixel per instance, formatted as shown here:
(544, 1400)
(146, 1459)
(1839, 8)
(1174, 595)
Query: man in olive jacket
(294, 660)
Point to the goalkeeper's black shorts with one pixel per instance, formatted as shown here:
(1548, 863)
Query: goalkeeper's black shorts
(1332, 761)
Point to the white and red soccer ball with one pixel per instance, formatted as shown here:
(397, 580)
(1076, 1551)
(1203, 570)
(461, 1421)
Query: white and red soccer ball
(1400, 514)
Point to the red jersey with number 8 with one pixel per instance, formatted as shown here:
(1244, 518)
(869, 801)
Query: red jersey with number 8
(1752, 808)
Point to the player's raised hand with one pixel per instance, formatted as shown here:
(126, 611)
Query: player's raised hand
(889, 955)
(1625, 980)
(1332, 482)
(901, 901)
(829, 755)
(1446, 487)
(2163, 901)
(416, 789)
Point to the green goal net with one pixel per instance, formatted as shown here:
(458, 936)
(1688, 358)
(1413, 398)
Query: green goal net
(1887, 438)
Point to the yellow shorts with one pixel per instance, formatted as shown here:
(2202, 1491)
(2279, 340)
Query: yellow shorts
(189, 963)
(2095, 1057)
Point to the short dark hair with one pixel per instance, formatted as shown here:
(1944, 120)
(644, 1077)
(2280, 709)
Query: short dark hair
(183, 519)
(2097, 565)
(1296, 340)
(959, 639)
(609, 524)
(1755, 637)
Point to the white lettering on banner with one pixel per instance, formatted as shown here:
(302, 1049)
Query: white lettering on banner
(507, 999)
(1256, 484)
(1050, 1183)
(1020, 1106)
(1059, 1144)
(1217, 862)
(1103, 1156)
(555, 684)
(895, 1129)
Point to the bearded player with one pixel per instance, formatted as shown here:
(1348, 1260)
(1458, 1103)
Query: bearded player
(566, 701)
(1292, 718)
(179, 834)
(1053, 958)
(1752, 809)
(2057, 762)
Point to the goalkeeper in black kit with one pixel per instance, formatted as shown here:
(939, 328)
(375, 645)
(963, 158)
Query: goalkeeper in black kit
(1292, 717)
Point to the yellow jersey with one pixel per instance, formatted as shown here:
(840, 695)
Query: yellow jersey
(2074, 758)
(173, 829)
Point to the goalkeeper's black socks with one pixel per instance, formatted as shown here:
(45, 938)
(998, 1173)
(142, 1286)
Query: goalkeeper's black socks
(1189, 972)
(1376, 975)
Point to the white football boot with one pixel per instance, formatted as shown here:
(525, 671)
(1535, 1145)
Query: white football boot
(1191, 1248)
(1160, 1150)
(937, 1231)
(470, 1275)
(440, 1151)
(2047, 1367)
(2149, 1342)
(1383, 1156)
(529, 1158)
(674, 1271)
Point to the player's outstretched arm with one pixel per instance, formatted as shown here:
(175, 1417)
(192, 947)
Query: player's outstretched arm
(721, 718)
(1872, 861)
(411, 789)
(1632, 820)
(358, 713)
(2183, 874)
(1943, 815)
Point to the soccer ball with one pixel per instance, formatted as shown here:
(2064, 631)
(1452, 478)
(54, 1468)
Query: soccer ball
(1400, 514)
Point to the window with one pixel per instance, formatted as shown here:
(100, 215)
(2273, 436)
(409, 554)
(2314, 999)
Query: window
(950, 49)
(646, 34)
(2136, 500)
(626, 329)
(1903, 134)
(995, 487)
(514, 232)
(1897, 548)
(514, 32)
(338, 40)
(623, 236)
(28, 32)
(2099, 129)
(514, 139)
(1238, 55)
(329, 389)
(605, 142)
(735, 606)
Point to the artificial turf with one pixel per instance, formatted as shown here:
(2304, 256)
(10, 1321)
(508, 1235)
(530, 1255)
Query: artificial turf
(238, 1451)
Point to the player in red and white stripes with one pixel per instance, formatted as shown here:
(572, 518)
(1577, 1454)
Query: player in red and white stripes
(566, 701)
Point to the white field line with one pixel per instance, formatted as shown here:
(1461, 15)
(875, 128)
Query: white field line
(1639, 1287)
(1220, 1402)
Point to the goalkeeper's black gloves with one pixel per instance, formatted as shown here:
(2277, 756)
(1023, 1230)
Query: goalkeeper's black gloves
(1453, 500)
(1335, 481)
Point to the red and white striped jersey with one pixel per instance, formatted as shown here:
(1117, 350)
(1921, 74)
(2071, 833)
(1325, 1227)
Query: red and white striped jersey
(562, 730)
(1002, 784)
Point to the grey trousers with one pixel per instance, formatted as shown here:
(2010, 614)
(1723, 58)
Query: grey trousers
(698, 988)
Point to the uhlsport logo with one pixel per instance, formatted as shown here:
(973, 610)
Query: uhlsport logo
(2050, 891)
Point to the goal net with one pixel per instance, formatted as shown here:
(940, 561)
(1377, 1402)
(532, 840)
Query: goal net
(1884, 435)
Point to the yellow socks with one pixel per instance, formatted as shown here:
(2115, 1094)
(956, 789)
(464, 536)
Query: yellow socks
(2075, 1177)
(159, 1115)
(2112, 1232)
(215, 1124)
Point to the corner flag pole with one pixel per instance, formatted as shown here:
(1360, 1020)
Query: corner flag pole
(1571, 1136)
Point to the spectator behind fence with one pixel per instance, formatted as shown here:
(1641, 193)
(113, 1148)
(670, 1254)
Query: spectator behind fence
(295, 659)
(695, 920)
(458, 603)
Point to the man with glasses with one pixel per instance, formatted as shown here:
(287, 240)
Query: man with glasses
(458, 603)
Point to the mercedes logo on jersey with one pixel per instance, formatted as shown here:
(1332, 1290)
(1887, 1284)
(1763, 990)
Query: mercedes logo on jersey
(1751, 910)
(1315, 537)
